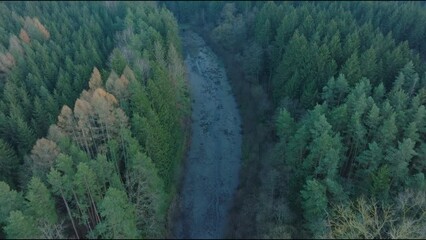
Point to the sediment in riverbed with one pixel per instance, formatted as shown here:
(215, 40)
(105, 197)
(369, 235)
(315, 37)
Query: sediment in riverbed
(212, 169)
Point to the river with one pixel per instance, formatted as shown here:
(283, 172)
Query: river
(212, 168)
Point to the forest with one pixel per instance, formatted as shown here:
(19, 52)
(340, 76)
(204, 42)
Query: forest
(332, 97)
(95, 117)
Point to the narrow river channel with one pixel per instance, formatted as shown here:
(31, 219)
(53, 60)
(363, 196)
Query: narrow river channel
(213, 164)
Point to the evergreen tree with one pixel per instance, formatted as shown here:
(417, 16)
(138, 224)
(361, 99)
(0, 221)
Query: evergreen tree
(10, 200)
(314, 206)
(40, 203)
(119, 215)
(8, 163)
(21, 226)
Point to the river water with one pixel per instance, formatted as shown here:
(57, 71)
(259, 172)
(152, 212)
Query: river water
(213, 164)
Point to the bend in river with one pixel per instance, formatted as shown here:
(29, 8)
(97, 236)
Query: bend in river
(213, 164)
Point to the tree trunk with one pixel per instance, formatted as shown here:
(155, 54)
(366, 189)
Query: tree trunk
(81, 211)
(69, 214)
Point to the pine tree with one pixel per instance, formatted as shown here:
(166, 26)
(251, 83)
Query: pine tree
(62, 187)
(399, 160)
(352, 69)
(8, 163)
(336, 49)
(373, 120)
(42, 118)
(25, 136)
(335, 90)
(40, 203)
(21, 226)
(352, 45)
(388, 131)
(119, 215)
(10, 200)
(292, 63)
(285, 124)
(88, 191)
(324, 150)
(144, 189)
(369, 67)
(314, 206)
(381, 183)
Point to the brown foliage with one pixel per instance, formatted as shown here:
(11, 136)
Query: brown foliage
(7, 61)
(118, 86)
(82, 109)
(95, 120)
(55, 133)
(111, 81)
(96, 80)
(108, 98)
(129, 74)
(65, 118)
(24, 36)
(121, 86)
(33, 24)
(41, 28)
(86, 95)
(44, 154)
(107, 112)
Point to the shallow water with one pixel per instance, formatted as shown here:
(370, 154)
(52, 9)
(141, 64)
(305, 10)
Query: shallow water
(213, 164)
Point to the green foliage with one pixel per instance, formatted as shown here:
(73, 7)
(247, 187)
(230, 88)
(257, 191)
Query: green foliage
(335, 90)
(158, 101)
(314, 206)
(380, 183)
(8, 163)
(10, 200)
(348, 97)
(346, 78)
(47, 69)
(232, 29)
(285, 124)
(21, 226)
(118, 62)
(119, 216)
(98, 178)
(351, 69)
(40, 203)
(145, 189)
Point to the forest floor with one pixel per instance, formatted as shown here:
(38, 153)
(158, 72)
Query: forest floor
(213, 163)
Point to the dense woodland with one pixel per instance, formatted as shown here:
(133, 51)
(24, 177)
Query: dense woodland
(93, 119)
(332, 96)
(94, 116)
